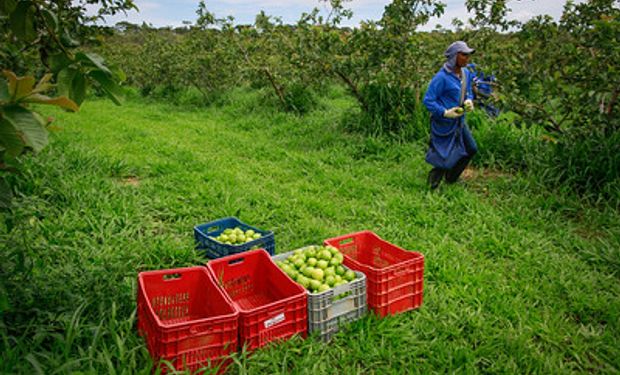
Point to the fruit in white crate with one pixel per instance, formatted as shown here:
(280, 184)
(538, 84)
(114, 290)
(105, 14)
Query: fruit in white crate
(317, 268)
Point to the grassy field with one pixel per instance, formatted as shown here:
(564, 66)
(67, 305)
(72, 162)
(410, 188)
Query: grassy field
(517, 280)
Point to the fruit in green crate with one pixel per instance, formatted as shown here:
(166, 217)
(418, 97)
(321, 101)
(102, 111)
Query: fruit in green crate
(236, 236)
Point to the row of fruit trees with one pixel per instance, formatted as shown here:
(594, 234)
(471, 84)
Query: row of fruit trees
(563, 76)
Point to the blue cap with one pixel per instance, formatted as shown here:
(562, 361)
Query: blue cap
(457, 47)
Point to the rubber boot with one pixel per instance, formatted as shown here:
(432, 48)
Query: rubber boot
(452, 175)
(434, 177)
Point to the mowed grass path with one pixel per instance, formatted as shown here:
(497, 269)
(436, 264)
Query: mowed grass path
(517, 279)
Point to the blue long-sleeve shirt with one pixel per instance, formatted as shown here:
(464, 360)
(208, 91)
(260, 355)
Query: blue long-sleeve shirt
(444, 92)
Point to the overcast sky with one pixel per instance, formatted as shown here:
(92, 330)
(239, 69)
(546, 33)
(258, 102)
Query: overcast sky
(173, 12)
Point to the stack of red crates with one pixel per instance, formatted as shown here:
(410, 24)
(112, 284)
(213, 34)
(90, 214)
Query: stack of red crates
(196, 317)
(186, 318)
(271, 306)
(394, 276)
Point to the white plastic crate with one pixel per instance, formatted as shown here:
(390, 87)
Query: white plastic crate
(329, 310)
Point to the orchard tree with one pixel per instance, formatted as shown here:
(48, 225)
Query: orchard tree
(384, 65)
(572, 83)
(42, 38)
(564, 77)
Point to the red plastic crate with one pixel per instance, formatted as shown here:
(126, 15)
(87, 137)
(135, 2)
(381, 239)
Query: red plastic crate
(394, 276)
(186, 318)
(271, 306)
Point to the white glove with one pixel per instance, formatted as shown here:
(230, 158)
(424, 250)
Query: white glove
(454, 112)
(469, 105)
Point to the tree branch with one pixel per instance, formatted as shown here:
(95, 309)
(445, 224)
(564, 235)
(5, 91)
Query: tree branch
(612, 101)
(353, 89)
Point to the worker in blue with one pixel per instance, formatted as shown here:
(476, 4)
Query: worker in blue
(482, 87)
(448, 97)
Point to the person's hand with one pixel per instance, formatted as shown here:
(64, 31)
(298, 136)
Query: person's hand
(469, 105)
(454, 112)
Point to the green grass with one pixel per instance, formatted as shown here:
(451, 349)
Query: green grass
(517, 279)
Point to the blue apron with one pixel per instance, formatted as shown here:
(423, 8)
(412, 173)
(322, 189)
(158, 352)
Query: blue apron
(447, 145)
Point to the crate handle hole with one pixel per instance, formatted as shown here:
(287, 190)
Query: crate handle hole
(236, 261)
(341, 296)
(200, 329)
(346, 241)
(172, 276)
(213, 229)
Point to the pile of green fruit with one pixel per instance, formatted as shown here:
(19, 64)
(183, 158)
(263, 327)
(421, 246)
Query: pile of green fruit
(236, 236)
(317, 268)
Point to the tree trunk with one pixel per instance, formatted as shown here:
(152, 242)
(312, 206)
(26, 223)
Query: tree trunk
(353, 89)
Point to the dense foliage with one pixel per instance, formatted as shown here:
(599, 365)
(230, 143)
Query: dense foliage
(559, 76)
(42, 38)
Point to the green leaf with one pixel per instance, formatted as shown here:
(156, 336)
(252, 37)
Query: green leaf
(108, 85)
(94, 60)
(78, 88)
(10, 140)
(61, 101)
(21, 21)
(44, 84)
(23, 88)
(7, 7)
(58, 62)
(72, 84)
(6, 195)
(5, 96)
(119, 73)
(64, 81)
(50, 19)
(27, 125)
(19, 87)
(67, 40)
